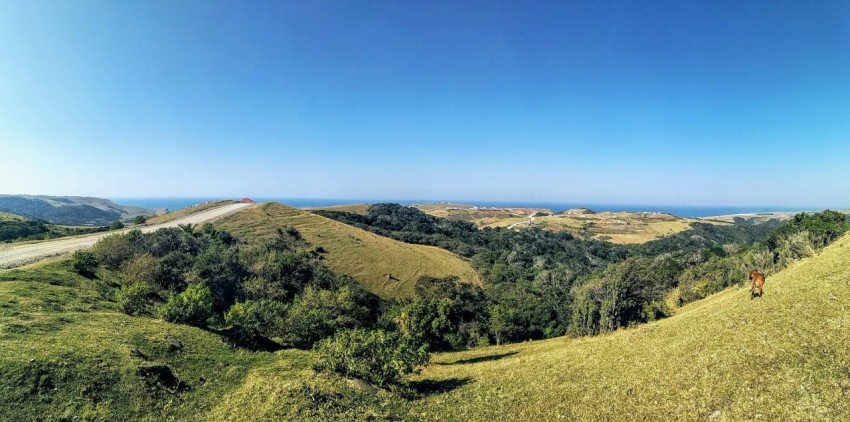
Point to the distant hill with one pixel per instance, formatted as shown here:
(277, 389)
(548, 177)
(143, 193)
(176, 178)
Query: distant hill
(615, 227)
(386, 267)
(70, 210)
(15, 228)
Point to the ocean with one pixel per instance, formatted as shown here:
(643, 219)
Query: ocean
(680, 210)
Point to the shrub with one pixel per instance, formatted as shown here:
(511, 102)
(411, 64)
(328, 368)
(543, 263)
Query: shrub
(116, 225)
(379, 357)
(795, 246)
(138, 299)
(141, 219)
(140, 268)
(223, 272)
(260, 317)
(194, 306)
(84, 263)
(171, 270)
(112, 251)
(319, 313)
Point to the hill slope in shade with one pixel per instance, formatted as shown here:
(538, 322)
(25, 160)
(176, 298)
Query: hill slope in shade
(368, 257)
(781, 357)
(70, 210)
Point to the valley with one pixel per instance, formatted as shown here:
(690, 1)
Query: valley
(69, 350)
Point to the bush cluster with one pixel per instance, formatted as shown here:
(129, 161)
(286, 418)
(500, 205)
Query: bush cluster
(272, 289)
(378, 357)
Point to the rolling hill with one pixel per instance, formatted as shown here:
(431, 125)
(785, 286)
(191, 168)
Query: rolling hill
(386, 267)
(70, 210)
(68, 352)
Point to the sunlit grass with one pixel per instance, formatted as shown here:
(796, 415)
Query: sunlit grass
(781, 357)
(368, 257)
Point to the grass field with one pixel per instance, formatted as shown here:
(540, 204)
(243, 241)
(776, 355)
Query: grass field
(781, 357)
(366, 256)
(186, 211)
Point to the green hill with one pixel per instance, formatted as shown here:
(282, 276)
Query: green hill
(781, 357)
(368, 257)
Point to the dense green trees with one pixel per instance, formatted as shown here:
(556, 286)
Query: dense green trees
(529, 271)
(13, 230)
(541, 284)
(205, 277)
(822, 228)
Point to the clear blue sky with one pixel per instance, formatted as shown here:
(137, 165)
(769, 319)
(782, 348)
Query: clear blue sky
(679, 102)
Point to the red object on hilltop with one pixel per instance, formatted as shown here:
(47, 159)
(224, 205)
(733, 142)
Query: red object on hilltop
(247, 201)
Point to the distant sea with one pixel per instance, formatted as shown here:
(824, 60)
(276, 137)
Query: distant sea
(680, 210)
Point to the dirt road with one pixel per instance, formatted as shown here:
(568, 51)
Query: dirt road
(12, 256)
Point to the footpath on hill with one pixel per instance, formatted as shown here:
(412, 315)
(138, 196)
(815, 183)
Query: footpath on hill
(12, 256)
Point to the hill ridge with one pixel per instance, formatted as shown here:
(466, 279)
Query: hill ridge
(385, 266)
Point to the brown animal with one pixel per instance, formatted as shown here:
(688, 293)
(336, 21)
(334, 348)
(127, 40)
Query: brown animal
(757, 280)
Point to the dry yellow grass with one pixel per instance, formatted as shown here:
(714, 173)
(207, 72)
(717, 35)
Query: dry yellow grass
(782, 357)
(187, 211)
(616, 227)
(361, 209)
(363, 255)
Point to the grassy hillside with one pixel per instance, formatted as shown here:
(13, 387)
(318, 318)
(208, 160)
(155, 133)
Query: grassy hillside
(67, 354)
(368, 257)
(781, 357)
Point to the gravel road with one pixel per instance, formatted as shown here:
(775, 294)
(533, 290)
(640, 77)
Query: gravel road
(12, 255)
